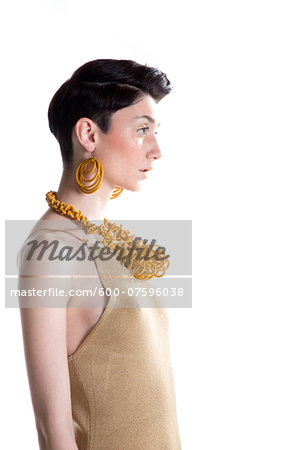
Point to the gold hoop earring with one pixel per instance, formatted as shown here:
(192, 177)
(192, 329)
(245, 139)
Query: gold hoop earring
(116, 192)
(88, 186)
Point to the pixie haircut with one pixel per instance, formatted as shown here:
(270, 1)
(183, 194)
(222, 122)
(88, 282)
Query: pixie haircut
(98, 89)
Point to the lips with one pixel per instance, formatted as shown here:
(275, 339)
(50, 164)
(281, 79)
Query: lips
(145, 170)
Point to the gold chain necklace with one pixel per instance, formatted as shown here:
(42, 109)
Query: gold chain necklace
(115, 237)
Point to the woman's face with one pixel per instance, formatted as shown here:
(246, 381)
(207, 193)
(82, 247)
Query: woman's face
(130, 145)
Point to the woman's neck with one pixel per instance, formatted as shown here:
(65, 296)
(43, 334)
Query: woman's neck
(92, 206)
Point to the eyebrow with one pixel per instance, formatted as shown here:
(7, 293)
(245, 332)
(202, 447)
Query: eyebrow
(145, 116)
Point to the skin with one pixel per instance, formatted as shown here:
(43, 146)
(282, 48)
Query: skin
(50, 335)
(122, 152)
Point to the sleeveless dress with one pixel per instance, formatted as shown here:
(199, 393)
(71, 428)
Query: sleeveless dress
(121, 376)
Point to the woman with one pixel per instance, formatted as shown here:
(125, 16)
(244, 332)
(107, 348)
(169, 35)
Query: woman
(100, 374)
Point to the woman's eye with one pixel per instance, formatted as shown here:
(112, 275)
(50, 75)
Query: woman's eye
(143, 129)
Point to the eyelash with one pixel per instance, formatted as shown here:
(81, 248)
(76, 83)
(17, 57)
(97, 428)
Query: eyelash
(146, 128)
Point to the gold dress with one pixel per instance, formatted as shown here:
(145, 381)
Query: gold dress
(121, 377)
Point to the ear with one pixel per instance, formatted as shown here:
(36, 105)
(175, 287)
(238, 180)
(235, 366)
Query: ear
(85, 132)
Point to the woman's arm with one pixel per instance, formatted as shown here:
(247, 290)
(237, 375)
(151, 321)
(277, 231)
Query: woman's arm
(44, 337)
(45, 348)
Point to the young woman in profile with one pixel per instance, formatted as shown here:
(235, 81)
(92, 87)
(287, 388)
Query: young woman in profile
(100, 374)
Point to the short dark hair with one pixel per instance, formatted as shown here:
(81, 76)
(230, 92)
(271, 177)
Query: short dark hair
(98, 89)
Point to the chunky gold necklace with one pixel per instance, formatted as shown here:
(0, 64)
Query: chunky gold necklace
(149, 264)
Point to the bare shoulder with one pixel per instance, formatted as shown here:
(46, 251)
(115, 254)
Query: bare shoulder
(54, 254)
(47, 263)
(49, 237)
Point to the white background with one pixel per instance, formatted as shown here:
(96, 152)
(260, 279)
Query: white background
(230, 143)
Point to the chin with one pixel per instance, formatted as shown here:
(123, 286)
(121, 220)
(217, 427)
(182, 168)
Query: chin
(133, 187)
(131, 184)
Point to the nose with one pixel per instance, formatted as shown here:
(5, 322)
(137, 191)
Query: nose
(155, 152)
